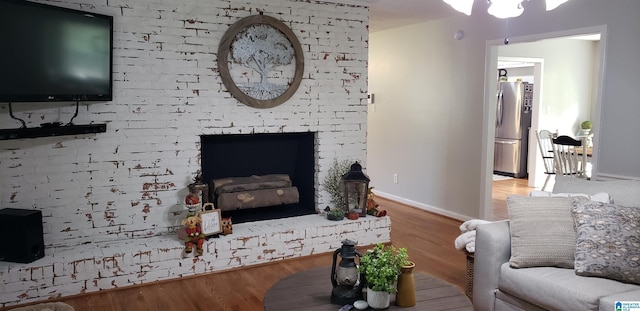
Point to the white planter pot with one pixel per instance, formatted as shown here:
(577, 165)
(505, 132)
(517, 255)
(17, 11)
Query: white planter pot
(378, 299)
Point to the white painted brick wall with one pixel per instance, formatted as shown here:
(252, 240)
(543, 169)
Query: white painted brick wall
(101, 266)
(118, 187)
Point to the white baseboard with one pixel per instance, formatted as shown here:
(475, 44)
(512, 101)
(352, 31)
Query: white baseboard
(461, 217)
(601, 176)
(422, 206)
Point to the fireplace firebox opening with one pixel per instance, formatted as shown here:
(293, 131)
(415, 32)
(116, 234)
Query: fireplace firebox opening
(244, 155)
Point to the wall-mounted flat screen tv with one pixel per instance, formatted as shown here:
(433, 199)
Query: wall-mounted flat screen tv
(49, 53)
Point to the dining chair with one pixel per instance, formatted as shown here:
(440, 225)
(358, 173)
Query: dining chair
(546, 150)
(567, 161)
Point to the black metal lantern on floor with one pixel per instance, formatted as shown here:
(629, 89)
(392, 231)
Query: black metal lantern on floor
(356, 185)
(345, 278)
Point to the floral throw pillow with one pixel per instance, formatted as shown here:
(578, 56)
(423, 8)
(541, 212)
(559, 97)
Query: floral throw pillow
(607, 241)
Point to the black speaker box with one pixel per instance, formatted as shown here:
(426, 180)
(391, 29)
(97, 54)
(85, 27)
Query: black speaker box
(21, 235)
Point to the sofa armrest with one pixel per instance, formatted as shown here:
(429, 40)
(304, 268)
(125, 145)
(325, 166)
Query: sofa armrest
(493, 248)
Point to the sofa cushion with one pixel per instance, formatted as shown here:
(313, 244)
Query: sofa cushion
(558, 288)
(598, 197)
(608, 303)
(506, 302)
(542, 232)
(607, 241)
(622, 192)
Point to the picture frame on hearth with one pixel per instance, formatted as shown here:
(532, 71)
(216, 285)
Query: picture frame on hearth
(211, 221)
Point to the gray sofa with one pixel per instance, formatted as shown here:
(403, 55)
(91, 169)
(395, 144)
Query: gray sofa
(499, 286)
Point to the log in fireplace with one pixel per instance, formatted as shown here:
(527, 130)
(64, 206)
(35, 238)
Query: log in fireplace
(244, 155)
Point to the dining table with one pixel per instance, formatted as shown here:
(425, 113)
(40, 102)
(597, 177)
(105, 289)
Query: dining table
(586, 152)
(581, 150)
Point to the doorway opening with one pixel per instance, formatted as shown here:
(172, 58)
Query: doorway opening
(543, 106)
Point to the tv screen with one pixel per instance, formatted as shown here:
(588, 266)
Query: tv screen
(50, 53)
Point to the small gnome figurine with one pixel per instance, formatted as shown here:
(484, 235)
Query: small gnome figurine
(372, 205)
(194, 237)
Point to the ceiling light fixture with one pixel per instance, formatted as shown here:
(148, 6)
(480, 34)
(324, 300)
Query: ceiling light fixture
(505, 8)
(500, 8)
(552, 4)
(462, 6)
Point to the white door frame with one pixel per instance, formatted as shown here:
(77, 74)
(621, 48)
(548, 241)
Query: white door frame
(534, 167)
(488, 134)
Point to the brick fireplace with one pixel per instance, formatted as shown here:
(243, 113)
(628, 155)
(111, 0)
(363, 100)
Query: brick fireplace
(112, 202)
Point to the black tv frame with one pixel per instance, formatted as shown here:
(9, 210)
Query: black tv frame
(18, 98)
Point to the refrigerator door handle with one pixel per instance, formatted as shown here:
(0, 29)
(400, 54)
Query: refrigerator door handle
(510, 142)
(499, 101)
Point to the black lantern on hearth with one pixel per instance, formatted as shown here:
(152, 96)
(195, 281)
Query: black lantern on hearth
(345, 278)
(356, 185)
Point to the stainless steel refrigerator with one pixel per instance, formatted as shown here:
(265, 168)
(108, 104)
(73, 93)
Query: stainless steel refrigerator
(513, 120)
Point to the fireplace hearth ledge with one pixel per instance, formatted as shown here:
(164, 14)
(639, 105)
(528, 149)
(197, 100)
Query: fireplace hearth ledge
(107, 265)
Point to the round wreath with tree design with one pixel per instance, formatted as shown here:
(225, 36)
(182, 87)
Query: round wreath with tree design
(260, 43)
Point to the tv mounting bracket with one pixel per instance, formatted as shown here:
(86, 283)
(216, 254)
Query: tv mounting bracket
(24, 125)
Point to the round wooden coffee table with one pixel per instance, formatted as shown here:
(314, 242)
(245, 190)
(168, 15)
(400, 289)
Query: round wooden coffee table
(311, 290)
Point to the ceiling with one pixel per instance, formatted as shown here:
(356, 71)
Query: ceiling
(386, 14)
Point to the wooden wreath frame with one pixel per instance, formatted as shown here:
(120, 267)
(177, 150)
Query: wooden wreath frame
(223, 61)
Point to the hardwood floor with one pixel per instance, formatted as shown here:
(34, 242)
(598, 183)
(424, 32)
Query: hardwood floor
(503, 188)
(429, 239)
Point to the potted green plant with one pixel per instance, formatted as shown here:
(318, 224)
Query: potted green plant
(381, 267)
(332, 183)
(586, 127)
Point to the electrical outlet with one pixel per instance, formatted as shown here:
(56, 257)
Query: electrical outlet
(395, 178)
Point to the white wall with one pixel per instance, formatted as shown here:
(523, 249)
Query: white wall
(520, 74)
(130, 182)
(112, 202)
(430, 125)
(568, 77)
(427, 113)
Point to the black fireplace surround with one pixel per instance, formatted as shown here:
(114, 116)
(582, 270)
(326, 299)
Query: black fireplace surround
(242, 155)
